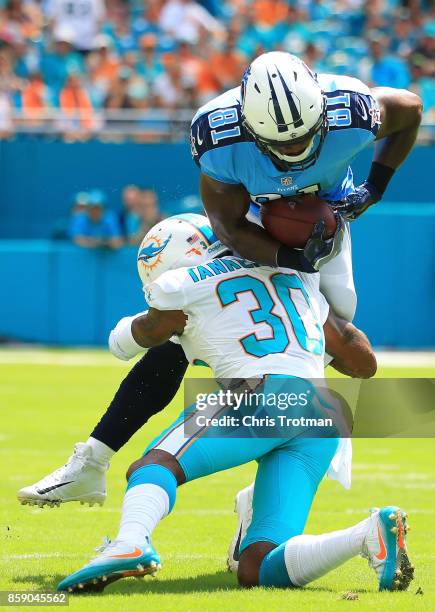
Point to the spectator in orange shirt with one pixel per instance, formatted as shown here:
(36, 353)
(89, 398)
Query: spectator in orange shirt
(228, 64)
(268, 13)
(195, 68)
(35, 99)
(78, 116)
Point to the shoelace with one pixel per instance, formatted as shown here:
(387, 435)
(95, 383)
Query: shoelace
(106, 543)
(105, 546)
(58, 474)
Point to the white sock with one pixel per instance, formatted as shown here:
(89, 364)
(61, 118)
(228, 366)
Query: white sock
(144, 507)
(308, 557)
(101, 453)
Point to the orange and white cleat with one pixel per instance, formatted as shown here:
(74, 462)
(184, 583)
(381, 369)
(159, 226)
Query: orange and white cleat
(385, 548)
(116, 560)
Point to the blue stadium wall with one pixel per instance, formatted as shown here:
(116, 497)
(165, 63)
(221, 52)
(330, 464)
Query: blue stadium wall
(56, 293)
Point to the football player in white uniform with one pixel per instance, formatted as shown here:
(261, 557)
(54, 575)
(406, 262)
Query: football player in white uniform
(246, 321)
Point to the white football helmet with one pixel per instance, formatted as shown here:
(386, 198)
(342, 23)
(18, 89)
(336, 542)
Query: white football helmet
(283, 106)
(181, 240)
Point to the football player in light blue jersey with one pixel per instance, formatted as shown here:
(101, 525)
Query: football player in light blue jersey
(288, 131)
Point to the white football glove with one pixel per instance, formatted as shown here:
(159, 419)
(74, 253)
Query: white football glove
(121, 342)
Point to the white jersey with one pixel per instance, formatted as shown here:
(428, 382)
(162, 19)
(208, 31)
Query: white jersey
(246, 320)
(80, 17)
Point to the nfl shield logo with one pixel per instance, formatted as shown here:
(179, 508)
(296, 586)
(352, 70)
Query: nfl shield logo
(286, 180)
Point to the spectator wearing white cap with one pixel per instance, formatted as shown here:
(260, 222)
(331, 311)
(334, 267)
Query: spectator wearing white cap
(62, 60)
(82, 17)
(185, 19)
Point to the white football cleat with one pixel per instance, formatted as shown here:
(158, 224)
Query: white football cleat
(243, 508)
(81, 479)
(385, 548)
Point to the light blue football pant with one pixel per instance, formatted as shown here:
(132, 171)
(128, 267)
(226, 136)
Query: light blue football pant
(289, 472)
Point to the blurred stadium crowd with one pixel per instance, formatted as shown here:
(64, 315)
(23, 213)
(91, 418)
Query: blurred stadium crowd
(92, 225)
(83, 57)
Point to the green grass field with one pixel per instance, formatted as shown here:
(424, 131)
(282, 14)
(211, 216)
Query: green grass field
(45, 408)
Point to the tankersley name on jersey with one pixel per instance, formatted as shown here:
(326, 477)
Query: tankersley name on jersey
(219, 266)
(224, 150)
(246, 320)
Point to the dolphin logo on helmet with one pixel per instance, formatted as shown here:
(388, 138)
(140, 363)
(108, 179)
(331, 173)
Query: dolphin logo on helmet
(152, 250)
(183, 240)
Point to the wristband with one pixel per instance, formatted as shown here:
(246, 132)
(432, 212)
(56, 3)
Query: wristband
(121, 341)
(294, 259)
(380, 176)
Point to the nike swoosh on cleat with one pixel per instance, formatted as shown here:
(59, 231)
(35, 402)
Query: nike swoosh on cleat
(236, 554)
(136, 553)
(382, 550)
(48, 489)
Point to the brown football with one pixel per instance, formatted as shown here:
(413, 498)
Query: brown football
(291, 220)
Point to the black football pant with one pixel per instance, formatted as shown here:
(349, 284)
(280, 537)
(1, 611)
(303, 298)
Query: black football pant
(146, 390)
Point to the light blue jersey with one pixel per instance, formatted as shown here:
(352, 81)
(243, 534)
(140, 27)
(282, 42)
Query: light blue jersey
(224, 150)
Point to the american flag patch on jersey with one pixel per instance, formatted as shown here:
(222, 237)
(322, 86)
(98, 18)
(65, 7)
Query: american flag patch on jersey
(192, 239)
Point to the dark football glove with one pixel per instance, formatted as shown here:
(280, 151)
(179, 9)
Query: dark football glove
(355, 204)
(320, 250)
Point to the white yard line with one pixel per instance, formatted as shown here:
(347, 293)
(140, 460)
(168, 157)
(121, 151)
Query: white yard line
(70, 357)
(406, 359)
(95, 357)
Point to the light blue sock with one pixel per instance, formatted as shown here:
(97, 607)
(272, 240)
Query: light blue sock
(273, 571)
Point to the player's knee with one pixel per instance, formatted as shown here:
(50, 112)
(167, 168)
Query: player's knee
(159, 457)
(248, 572)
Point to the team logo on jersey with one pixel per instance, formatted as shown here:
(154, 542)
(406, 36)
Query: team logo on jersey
(149, 254)
(286, 180)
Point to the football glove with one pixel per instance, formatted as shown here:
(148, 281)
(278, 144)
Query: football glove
(355, 204)
(319, 249)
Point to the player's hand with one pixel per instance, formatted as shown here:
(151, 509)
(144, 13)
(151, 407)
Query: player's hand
(121, 342)
(355, 204)
(319, 249)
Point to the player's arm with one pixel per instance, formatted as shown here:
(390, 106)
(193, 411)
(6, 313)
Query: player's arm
(227, 205)
(400, 113)
(87, 241)
(157, 326)
(350, 348)
(133, 335)
(115, 242)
